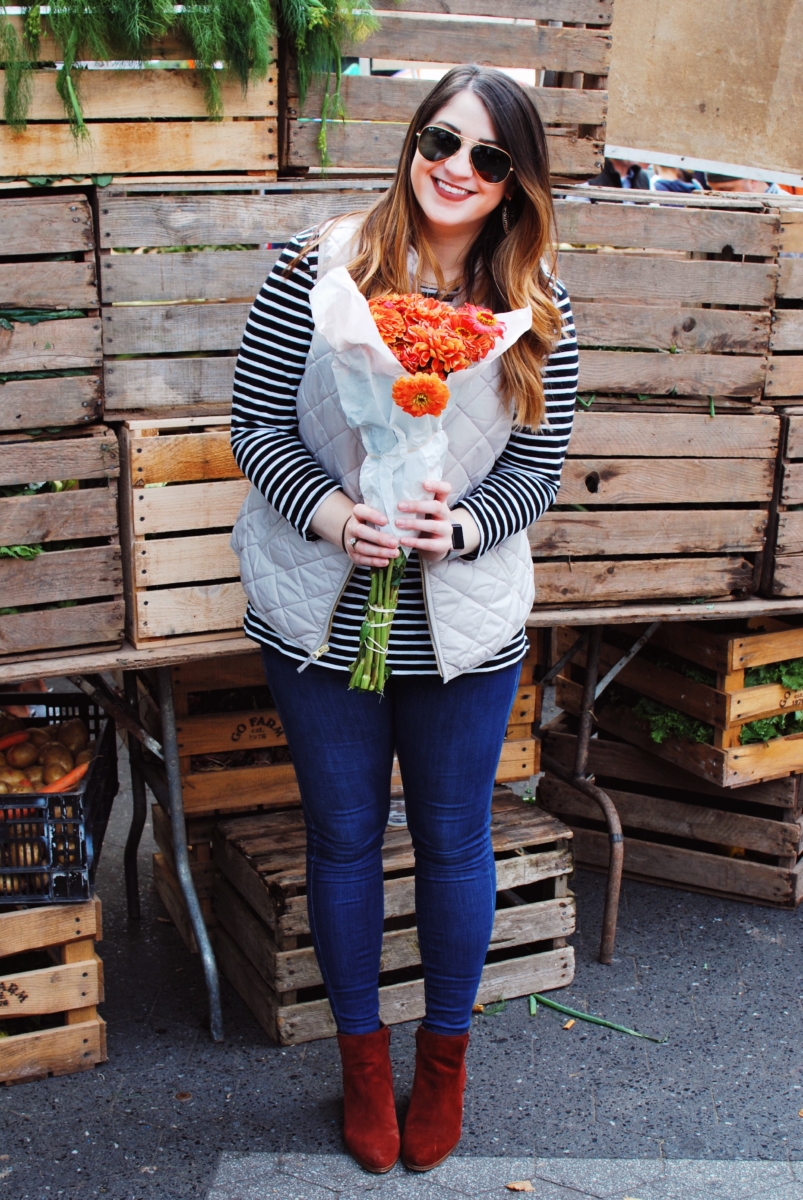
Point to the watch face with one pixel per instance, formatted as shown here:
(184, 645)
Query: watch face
(458, 541)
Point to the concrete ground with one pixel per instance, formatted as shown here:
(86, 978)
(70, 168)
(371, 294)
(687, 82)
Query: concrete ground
(713, 1113)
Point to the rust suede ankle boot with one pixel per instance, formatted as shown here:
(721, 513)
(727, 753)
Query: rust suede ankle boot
(435, 1116)
(370, 1127)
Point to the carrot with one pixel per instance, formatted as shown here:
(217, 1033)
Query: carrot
(12, 739)
(65, 783)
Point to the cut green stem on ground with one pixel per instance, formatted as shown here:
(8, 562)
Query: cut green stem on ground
(537, 999)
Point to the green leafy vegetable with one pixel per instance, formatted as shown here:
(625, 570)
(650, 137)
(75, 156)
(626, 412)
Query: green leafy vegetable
(20, 551)
(766, 729)
(665, 722)
(788, 673)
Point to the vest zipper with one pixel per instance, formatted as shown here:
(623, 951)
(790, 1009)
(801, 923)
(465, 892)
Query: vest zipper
(436, 646)
(324, 647)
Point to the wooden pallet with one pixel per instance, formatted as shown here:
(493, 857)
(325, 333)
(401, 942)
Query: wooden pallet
(785, 366)
(724, 703)
(783, 568)
(263, 943)
(657, 506)
(64, 598)
(571, 61)
(49, 970)
(140, 121)
(680, 831)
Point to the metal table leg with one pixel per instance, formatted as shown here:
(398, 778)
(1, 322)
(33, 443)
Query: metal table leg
(140, 806)
(170, 748)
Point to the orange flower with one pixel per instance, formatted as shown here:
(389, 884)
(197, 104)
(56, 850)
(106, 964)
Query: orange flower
(421, 395)
(481, 321)
(389, 321)
(424, 310)
(439, 349)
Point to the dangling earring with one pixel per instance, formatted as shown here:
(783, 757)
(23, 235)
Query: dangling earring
(506, 218)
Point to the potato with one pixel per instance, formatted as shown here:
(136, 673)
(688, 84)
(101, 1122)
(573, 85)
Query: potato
(4, 788)
(84, 756)
(54, 771)
(55, 752)
(9, 724)
(24, 789)
(12, 777)
(2, 759)
(40, 736)
(21, 755)
(74, 735)
(35, 773)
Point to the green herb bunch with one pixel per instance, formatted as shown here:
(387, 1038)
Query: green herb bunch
(665, 722)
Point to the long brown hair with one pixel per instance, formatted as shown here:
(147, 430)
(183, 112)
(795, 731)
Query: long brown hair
(502, 271)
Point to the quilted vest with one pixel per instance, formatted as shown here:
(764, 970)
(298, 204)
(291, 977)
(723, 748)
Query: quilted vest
(474, 608)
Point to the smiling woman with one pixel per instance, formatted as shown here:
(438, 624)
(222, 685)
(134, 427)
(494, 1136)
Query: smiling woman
(469, 221)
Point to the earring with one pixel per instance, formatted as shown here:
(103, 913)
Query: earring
(506, 218)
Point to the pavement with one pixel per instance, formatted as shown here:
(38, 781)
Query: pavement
(713, 1114)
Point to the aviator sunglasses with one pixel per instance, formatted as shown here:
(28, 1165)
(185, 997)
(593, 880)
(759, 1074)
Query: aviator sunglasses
(492, 164)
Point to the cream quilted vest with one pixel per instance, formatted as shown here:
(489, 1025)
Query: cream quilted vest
(474, 608)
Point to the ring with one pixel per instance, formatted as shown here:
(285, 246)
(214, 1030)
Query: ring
(352, 541)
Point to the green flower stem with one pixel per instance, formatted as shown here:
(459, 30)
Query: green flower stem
(537, 999)
(369, 672)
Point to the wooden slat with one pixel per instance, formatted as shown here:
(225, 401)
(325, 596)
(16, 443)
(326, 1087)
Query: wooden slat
(792, 486)
(170, 47)
(378, 144)
(32, 403)
(659, 327)
(754, 650)
(692, 821)
(123, 95)
(184, 328)
(674, 435)
(38, 928)
(61, 575)
(50, 990)
(787, 329)
(59, 516)
(85, 625)
(182, 457)
(194, 275)
(188, 506)
(378, 98)
(165, 561)
(709, 231)
(199, 609)
(701, 531)
(73, 458)
(789, 536)
(794, 438)
(785, 376)
(600, 276)
(214, 733)
(519, 760)
(167, 888)
(53, 1051)
(790, 281)
(48, 285)
(787, 578)
(501, 44)
(671, 374)
(168, 383)
(45, 224)
(587, 12)
(693, 868)
(51, 346)
(239, 670)
(132, 147)
(603, 582)
(226, 791)
(591, 481)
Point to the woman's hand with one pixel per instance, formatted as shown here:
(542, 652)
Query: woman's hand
(372, 547)
(434, 520)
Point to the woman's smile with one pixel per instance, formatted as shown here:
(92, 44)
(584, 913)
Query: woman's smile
(451, 191)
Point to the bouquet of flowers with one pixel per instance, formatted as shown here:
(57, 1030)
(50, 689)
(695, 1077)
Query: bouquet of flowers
(399, 417)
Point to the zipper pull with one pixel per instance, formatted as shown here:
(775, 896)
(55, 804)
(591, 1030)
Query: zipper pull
(316, 654)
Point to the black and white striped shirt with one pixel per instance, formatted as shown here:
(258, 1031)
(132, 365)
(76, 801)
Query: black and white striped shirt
(264, 434)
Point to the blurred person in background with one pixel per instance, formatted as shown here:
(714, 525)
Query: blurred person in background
(620, 174)
(674, 179)
(732, 183)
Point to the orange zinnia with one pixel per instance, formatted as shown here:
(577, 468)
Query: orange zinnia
(439, 349)
(390, 323)
(481, 321)
(421, 395)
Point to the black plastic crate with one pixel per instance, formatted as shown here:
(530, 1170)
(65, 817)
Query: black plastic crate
(50, 844)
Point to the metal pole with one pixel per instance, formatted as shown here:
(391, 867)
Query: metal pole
(140, 808)
(170, 747)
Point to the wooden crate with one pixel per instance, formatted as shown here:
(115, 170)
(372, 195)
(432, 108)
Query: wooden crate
(785, 366)
(141, 121)
(783, 567)
(264, 947)
(48, 247)
(656, 506)
(65, 597)
(180, 495)
(49, 970)
(724, 702)
(679, 830)
(571, 60)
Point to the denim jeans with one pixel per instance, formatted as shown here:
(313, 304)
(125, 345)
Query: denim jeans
(448, 738)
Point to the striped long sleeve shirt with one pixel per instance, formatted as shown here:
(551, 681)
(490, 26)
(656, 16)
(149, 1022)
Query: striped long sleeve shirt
(266, 444)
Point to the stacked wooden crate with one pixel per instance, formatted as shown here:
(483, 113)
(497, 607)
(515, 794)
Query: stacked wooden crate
(565, 44)
(263, 940)
(61, 579)
(51, 980)
(681, 830)
(143, 121)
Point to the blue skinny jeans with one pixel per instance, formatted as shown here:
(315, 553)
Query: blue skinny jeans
(448, 738)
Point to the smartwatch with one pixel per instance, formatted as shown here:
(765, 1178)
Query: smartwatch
(458, 541)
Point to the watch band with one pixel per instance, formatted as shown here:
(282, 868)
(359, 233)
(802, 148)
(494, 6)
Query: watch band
(458, 541)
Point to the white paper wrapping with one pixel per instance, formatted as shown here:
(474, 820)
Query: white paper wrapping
(401, 450)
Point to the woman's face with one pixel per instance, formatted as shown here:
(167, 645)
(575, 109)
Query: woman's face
(452, 196)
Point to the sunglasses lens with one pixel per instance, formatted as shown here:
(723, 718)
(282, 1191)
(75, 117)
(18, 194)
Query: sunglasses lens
(492, 165)
(435, 144)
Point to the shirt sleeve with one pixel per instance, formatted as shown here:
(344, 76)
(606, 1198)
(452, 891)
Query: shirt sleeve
(264, 427)
(525, 479)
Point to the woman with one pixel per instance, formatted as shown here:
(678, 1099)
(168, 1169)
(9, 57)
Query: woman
(468, 218)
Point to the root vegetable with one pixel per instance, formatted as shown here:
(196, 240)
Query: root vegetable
(2, 759)
(9, 724)
(11, 776)
(85, 756)
(3, 789)
(13, 739)
(53, 772)
(74, 735)
(55, 752)
(67, 781)
(22, 755)
(35, 773)
(39, 736)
